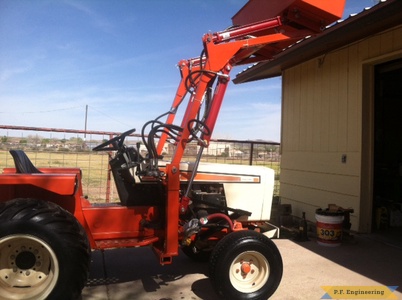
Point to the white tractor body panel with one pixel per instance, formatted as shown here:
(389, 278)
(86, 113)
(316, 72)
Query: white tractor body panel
(249, 188)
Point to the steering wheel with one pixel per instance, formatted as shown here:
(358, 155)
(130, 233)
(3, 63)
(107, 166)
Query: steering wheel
(116, 142)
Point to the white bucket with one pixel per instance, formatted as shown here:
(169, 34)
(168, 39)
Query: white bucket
(329, 228)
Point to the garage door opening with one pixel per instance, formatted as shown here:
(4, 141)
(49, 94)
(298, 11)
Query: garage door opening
(387, 200)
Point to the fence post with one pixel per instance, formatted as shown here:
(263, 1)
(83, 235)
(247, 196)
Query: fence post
(250, 162)
(108, 181)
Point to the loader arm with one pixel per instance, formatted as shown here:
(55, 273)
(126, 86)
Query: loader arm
(222, 51)
(204, 79)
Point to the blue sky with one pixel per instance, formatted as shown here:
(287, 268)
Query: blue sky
(119, 58)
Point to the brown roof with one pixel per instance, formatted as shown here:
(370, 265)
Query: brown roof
(386, 14)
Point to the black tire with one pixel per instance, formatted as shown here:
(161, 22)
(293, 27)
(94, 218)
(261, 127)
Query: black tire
(262, 268)
(45, 252)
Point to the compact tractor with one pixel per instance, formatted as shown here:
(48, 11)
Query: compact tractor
(213, 212)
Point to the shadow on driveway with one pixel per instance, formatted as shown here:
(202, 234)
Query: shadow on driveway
(135, 273)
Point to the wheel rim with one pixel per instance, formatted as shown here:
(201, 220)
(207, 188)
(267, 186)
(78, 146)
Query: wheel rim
(28, 268)
(249, 272)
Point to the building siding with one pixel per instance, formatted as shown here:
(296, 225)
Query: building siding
(322, 120)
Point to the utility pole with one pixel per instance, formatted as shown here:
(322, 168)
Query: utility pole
(86, 120)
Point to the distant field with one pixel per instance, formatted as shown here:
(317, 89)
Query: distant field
(94, 167)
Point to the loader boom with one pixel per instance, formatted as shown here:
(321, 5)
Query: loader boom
(205, 79)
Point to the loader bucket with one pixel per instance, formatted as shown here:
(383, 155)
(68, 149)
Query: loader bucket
(299, 18)
(311, 14)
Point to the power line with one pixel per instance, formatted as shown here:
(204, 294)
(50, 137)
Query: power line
(108, 116)
(41, 111)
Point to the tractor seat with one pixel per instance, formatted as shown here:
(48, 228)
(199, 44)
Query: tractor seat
(22, 162)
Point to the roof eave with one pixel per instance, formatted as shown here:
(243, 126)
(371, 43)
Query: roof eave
(380, 17)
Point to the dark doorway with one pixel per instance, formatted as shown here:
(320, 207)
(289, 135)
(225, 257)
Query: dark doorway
(387, 210)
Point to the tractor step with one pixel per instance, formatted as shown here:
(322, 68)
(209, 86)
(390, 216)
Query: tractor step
(125, 243)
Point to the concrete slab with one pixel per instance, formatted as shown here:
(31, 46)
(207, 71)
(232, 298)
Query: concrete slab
(361, 262)
(136, 274)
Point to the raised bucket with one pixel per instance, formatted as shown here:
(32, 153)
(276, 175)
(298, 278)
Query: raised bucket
(329, 227)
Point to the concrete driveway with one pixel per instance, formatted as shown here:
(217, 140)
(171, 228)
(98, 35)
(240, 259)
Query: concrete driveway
(136, 274)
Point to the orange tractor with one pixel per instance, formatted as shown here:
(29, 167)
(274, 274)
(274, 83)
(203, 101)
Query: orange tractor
(211, 211)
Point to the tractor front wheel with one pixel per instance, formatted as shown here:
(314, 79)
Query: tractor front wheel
(44, 252)
(245, 265)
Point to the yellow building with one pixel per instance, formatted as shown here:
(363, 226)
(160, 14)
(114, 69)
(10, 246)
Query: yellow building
(341, 125)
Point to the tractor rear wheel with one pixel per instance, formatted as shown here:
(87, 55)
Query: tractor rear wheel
(245, 265)
(44, 251)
